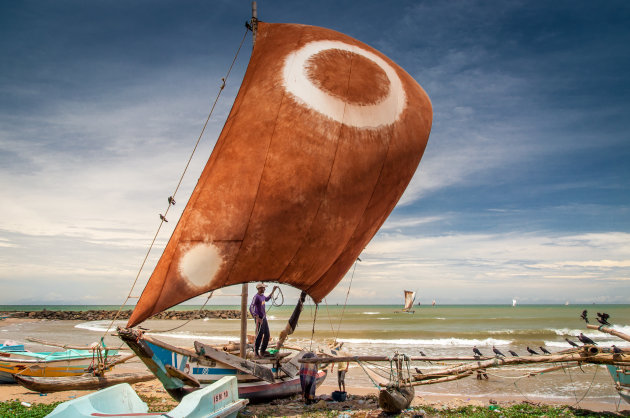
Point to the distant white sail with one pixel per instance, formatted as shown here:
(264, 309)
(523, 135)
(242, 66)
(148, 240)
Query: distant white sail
(513, 302)
(410, 297)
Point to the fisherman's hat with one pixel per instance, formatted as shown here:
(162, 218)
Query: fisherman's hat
(259, 285)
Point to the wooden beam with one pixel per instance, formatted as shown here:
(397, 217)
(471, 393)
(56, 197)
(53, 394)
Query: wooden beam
(386, 358)
(167, 346)
(292, 367)
(609, 331)
(238, 363)
(580, 357)
(244, 292)
(442, 379)
(184, 377)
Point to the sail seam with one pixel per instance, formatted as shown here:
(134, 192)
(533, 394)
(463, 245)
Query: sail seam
(249, 218)
(364, 209)
(332, 165)
(369, 201)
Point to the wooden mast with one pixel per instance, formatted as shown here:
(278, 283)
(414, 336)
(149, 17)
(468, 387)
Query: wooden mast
(254, 21)
(244, 287)
(243, 348)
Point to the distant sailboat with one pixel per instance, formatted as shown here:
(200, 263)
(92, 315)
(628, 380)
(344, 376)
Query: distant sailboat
(513, 302)
(566, 303)
(410, 298)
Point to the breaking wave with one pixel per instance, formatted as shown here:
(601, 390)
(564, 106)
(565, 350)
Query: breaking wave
(452, 342)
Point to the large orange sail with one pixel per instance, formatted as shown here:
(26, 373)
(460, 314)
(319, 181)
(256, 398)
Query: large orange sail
(322, 140)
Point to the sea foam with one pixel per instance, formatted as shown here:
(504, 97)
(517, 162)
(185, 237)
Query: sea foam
(438, 342)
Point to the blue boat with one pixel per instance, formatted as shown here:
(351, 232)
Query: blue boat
(217, 400)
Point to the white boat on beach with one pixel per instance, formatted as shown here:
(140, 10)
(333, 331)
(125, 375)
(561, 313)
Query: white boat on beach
(217, 400)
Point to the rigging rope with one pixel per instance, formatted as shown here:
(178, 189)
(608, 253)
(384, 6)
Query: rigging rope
(332, 327)
(346, 302)
(370, 377)
(313, 331)
(171, 199)
(189, 319)
(589, 387)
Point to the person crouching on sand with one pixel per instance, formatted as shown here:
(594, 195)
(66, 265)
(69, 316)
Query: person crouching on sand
(257, 309)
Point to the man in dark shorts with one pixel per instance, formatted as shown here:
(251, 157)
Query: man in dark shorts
(342, 368)
(257, 309)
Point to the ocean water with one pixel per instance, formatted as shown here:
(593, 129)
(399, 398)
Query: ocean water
(381, 330)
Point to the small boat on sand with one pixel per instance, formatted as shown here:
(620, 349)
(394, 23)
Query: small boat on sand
(47, 364)
(217, 400)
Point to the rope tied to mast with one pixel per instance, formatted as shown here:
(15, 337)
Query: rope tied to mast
(171, 198)
(346, 301)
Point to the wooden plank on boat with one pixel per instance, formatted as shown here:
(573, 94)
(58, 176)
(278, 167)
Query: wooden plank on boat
(292, 368)
(85, 382)
(178, 350)
(271, 359)
(238, 363)
(184, 377)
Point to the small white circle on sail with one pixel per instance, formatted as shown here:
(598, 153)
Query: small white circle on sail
(200, 263)
(297, 82)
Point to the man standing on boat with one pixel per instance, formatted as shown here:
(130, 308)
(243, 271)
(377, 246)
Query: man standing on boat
(257, 309)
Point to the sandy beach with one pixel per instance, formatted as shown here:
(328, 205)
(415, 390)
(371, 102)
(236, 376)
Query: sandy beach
(361, 400)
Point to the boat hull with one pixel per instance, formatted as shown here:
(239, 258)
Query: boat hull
(621, 376)
(63, 368)
(158, 359)
(218, 400)
(53, 364)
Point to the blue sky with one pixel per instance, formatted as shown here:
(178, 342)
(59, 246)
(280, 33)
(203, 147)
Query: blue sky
(523, 191)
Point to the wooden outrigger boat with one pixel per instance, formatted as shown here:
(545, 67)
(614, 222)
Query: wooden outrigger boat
(258, 379)
(217, 400)
(322, 140)
(48, 364)
(81, 376)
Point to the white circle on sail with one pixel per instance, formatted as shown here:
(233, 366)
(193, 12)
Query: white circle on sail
(200, 263)
(296, 82)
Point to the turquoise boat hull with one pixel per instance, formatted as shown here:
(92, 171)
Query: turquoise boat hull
(621, 376)
(217, 400)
